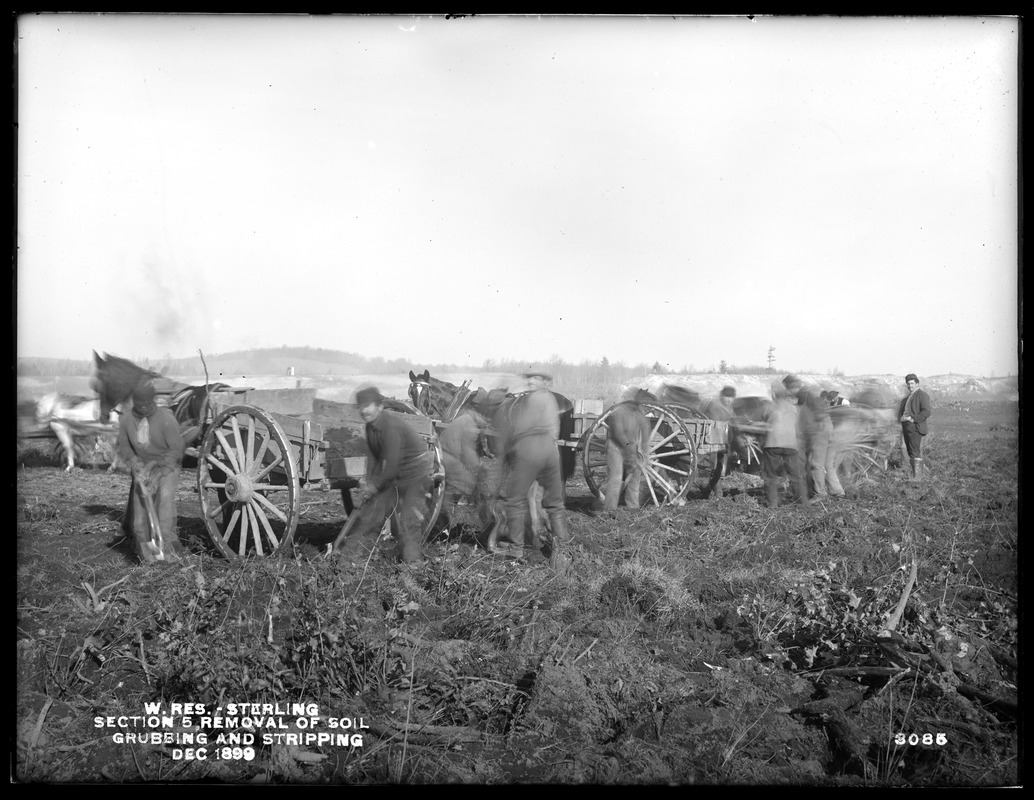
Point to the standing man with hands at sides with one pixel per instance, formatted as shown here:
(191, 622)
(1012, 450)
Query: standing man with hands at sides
(398, 477)
(914, 412)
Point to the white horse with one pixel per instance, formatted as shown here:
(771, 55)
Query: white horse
(70, 418)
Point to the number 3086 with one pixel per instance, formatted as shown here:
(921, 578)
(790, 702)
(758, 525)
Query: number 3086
(923, 738)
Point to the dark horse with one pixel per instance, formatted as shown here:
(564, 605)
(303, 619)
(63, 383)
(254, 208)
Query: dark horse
(444, 401)
(116, 378)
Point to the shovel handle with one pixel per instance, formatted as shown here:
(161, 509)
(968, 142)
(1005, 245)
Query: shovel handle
(349, 524)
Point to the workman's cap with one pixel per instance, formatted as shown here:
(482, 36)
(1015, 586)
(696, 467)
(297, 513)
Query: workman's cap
(544, 375)
(143, 400)
(728, 391)
(911, 377)
(367, 395)
(790, 381)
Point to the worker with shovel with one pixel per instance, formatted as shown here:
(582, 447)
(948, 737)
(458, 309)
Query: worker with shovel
(398, 478)
(151, 447)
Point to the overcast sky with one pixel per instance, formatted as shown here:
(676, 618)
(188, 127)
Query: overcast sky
(683, 190)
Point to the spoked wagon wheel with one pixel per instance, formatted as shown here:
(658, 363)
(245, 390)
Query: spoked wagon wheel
(858, 461)
(436, 497)
(715, 464)
(247, 479)
(669, 467)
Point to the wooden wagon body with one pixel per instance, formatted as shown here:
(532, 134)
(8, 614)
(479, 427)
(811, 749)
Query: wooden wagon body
(253, 464)
(680, 438)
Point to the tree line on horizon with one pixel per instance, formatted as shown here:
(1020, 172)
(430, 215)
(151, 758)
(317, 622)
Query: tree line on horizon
(317, 361)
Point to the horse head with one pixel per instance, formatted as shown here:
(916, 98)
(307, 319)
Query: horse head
(420, 391)
(432, 397)
(115, 379)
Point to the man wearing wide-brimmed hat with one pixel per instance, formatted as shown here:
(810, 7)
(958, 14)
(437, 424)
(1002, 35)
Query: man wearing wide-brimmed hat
(398, 476)
(151, 447)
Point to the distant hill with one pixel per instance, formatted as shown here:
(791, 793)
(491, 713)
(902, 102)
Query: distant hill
(279, 361)
(305, 361)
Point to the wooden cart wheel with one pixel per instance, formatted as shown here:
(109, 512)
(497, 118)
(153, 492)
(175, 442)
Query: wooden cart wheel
(436, 497)
(718, 465)
(669, 467)
(856, 461)
(247, 479)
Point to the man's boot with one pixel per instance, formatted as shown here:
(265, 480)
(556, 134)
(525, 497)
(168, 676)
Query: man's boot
(518, 530)
(558, 523)
(917, 469)
(491, 542)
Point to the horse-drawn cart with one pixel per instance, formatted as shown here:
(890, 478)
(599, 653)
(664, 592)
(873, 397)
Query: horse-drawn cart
(680, 438)
(253, 464)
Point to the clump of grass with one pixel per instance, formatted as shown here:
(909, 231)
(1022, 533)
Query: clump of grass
(35, 509)
(650, 591)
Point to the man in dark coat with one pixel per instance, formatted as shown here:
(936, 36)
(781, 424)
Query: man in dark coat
(151, 448)
(914, 412)
(398, 478)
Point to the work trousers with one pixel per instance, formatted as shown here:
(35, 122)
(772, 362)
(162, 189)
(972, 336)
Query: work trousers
(623, 467)
(408, 500)
(820, 461)
(533, 458)
(780, 462)
(163, 485)
(913, 439)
